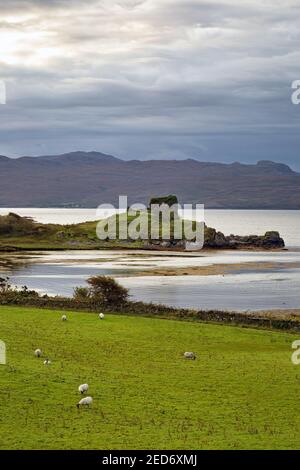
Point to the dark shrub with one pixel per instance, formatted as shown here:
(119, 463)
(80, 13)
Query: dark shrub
(107, 290)
(4, 285)
(82, 294)
(13, 224)
(170, 200)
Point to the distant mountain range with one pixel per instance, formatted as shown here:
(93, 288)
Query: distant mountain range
(87, 179)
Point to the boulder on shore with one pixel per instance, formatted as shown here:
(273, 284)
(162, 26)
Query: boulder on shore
(270, 240)
(217, 240)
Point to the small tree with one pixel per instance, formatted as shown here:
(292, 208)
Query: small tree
(81, 294)
(107, 290)
(4, 285)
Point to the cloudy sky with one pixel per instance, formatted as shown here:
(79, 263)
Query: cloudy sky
(207, 79)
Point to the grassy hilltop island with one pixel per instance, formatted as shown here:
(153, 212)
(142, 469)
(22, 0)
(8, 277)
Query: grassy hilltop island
(23, 233)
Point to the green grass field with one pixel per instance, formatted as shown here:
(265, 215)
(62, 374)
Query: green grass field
(241, 393)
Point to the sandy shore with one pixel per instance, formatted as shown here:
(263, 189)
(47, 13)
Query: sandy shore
(216, 269)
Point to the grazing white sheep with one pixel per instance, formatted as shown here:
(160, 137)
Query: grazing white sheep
(87, 401)
(47, 362)
(38, 353)
(190, 355)
(64, 318)
(101, 316)
(83, 388)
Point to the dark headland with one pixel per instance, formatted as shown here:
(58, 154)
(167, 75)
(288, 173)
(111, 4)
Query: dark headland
(87, 179)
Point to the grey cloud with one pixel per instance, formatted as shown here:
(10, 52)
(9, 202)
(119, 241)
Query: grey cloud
(207, 79)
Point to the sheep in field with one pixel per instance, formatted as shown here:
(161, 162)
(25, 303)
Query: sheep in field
(189, 355)
(47, 362)
(38, 353)
(87, 401)
(101, 316)
(64, 318)
(83, 388)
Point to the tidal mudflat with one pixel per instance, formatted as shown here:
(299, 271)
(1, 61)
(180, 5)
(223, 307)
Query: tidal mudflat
(219, 279)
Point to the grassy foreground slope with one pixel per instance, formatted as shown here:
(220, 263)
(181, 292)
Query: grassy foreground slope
(241, 392)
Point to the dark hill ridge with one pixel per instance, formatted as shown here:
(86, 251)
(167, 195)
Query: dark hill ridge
(87, 179)
(78, 157)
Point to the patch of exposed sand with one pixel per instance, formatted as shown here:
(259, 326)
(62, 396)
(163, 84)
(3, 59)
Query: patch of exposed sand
(216, 269)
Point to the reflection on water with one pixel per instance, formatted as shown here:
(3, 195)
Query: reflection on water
(59, 272)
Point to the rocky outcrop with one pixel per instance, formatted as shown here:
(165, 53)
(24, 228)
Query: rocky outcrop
(176, 245)
(270, 240)
(217, 240)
